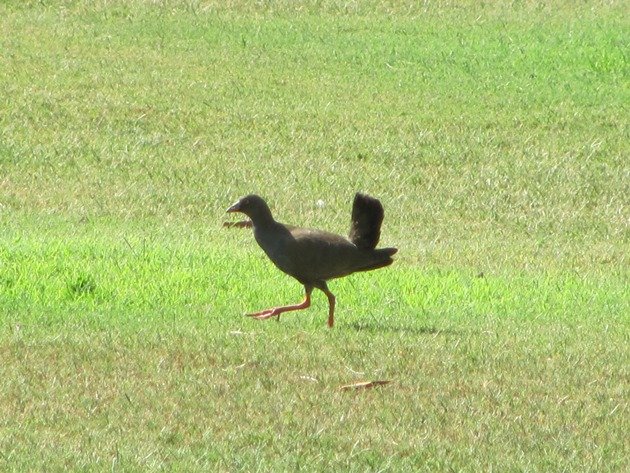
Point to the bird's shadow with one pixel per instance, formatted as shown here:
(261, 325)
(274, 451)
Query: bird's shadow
(381, 328)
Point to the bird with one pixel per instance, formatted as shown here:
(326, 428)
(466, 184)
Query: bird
(315, 256)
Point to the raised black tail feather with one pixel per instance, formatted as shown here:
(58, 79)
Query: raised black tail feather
(367, 217)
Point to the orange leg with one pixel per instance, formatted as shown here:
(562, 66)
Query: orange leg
(331, 307)
(276, 311)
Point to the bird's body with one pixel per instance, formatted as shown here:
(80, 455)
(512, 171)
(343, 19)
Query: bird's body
(316, 256)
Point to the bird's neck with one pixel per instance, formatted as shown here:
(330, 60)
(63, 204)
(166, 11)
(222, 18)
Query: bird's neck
(263, 220)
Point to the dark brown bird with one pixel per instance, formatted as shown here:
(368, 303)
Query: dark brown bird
(315, 256)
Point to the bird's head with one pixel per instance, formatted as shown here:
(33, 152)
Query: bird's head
(254, 207)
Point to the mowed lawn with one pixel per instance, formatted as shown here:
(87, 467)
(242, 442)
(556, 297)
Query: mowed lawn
(496, 136)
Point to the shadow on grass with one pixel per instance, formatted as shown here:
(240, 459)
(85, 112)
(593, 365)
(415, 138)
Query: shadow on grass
(375, 327)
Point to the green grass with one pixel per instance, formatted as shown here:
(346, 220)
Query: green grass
(496, 137)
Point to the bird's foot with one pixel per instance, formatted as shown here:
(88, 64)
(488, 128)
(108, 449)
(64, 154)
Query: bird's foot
(265, 314)
(276, 311)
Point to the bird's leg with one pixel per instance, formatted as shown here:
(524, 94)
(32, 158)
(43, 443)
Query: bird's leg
(331, 308)
(331, 302)
(276, 311)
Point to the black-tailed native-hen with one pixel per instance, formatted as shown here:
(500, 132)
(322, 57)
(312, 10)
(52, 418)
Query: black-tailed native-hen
(315, 256)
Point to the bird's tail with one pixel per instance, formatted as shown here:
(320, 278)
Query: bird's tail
(367, 217)
(384, 255)
(379, 259)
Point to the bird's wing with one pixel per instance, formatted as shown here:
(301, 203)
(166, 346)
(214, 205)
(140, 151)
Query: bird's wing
(319, 255)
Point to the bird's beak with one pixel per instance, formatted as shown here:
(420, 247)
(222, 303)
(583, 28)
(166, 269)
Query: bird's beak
(235, 207)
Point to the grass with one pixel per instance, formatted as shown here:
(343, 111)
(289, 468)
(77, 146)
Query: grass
(497, 138)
